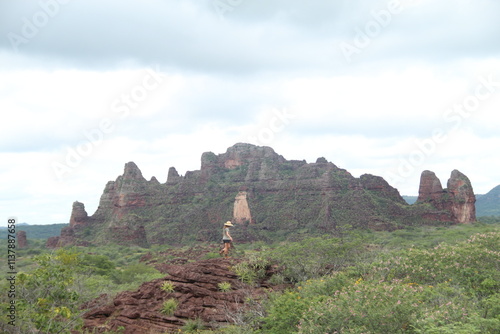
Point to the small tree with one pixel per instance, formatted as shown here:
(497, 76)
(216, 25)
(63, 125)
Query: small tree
(47, 299)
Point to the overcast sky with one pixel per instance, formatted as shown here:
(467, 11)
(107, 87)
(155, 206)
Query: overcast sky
(389, 88)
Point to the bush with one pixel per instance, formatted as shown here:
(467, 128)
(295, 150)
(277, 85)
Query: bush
(169, 307)
(224, 286)
(46, 297)
(253, 269)
(372, 308)
(97, 264)
(284, 312)
(473, 265)
(135, 272)
(316, 257)
(168, 286)
(193, 326)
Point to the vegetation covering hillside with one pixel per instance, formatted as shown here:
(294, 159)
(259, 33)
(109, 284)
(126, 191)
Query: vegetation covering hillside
(37, 231)
(489, 204)
(414, 280)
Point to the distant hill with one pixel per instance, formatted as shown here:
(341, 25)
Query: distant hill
(4, 227)
(36, 231)
(489, 204)
(410, 199)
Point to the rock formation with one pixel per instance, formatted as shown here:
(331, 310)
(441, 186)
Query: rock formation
(78, 214)
(255, 184)
(196, 290)
(78, 222)
(22, 242)
(456, 203)
(241, 211)
(463, 201)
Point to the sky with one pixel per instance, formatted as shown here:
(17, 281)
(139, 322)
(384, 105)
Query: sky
(390, 88)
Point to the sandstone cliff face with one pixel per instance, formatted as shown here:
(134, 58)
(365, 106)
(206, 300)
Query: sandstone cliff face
(128, 192)
(463, 204)
(430, 189)
(241, 211)
(456, 203)
(254, 184)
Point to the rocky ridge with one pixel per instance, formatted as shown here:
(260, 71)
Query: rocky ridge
(264, 195)
(197, 290)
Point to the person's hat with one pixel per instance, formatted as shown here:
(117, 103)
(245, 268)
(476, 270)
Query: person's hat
(228, 223)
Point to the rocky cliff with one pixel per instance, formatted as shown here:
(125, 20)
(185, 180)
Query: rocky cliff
(264, 194)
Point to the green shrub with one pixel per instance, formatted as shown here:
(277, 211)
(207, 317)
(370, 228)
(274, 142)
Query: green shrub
(277, 279)
(168, 286)
(285, 312)
(473, 265)
(98, 264)
(252, 269)
(135, 272)
(46, 297)
(372, 308)
(169, 306)
(245, 273)
(224, 286)
(316, 257)
(193, 326)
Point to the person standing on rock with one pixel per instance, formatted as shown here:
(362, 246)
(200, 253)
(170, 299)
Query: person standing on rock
(226, 239)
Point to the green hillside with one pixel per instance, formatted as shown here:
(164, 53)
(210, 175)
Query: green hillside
(489, 204)
(36, 231)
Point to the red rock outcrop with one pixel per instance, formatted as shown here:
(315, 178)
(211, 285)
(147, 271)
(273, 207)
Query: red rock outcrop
(456, 203)
(22, 241)
(196, 290)
(430, 189)
(463, 204)
(78, 215)
(79, 220)
(173, 177)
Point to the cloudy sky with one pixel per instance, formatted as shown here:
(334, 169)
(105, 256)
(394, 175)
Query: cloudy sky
(389, 88)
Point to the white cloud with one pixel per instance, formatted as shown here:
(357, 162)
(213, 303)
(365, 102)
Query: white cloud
(235, 80)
